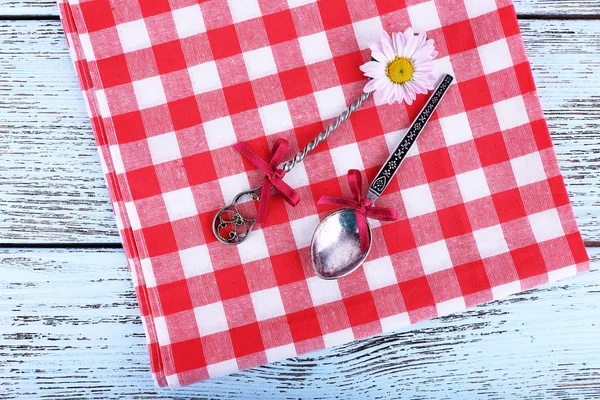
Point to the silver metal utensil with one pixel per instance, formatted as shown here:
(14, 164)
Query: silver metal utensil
(335, 247)
(230, 226)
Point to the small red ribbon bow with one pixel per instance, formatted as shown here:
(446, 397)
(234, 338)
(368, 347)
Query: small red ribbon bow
(362, 207)
(273, 175)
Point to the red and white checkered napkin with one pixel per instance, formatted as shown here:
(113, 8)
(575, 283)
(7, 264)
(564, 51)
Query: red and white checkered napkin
(172, 84)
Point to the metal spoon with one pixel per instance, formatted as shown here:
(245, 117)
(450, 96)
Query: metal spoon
(335, 247)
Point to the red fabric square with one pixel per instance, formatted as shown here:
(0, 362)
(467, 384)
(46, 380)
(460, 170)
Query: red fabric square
(366, 124)
(188, 355)
(129, 127)
(541, 134)
(454, 221)
(510, 24)
(154, 7)
(175, 297)
(361, 309)
(398, 236)
(143, 183)
(528, 261)
(304, 325)
(98, 15)
(184, 113)
(437, 164)
(246, 340)
(472, 277)
(295, 82)
(525, 78)
(348, 67)
(387, 6)
(239, 98)
(577, 246)
(280, 27)
(459, 37)
(232, 282)
(224, 42)
(169, 57)
(509, 205)
(475, 93)
(287, 268)
(559, 191)
(416, 294)
(329, 187)
(114, 71)
(491, 149)
(199, 168)
(334, 13)
(160, 240)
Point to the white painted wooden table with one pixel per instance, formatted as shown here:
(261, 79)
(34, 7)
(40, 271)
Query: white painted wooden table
(69, 324)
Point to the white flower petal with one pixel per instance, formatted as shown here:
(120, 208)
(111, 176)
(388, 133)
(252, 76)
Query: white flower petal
(380, 57)
(370, 86)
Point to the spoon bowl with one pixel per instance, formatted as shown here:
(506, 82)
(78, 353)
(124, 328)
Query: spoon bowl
(335, 246)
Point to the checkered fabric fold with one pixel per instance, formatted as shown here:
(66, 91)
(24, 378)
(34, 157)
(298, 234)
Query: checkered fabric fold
(171, 85)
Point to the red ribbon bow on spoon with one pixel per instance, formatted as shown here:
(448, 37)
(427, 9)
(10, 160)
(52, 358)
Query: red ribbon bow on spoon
(273, 175)
(362, 207)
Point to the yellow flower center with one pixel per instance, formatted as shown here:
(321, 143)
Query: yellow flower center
(400, 70)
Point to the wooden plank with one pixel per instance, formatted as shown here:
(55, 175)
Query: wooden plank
(69, 329)
(568, 8)
(50, 181)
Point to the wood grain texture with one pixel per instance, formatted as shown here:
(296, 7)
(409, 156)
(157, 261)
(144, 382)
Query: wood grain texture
(69, 329)
(569, 8)
(50, 179)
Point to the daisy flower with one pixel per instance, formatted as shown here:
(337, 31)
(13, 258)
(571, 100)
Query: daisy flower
(401, 67)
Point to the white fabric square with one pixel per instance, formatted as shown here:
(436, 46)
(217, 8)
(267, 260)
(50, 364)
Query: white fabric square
(418, 200)
(232, 185)
(473, 185)
(132, 215)
(164, 148)
(188, 21)
(148, 272)
(267, 304)
(346, 158)
(511, 113)
(367, 31)
(275, 118)
(562, 273)
(528, 169)
(102, 103)
(162, 333)
(495, 56)
(394, 322)
(502, 291)
(546, 225)
(303, 229)
(435, 257)
(219, 133)
(172, 380)
(476, 8)
(254, 248)
(86, 45)
(180, 204)
(298, 3)
(450, 306)
(115, 154)
(281, 352)
(323, 291)
(227, 367)
(380, 273)
(443, 66)
(330, 102)
(149, 92)
(260, 63)
(490, 241)
(456, 129)
(424, 17)
(211, 318)
(315, 48)
(195, 261)
(297, 177)
(339, 337)
(204, 77)
(133, 35)
(243, 10)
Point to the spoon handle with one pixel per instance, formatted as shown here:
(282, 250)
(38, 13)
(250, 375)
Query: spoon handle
(391, 166)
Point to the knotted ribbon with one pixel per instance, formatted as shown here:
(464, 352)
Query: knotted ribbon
(362, 207)
(273, 176)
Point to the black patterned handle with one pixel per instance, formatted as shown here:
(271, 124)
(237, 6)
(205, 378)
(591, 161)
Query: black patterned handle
(391, 166)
